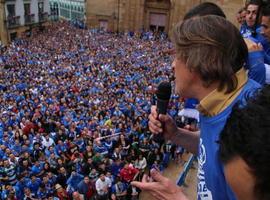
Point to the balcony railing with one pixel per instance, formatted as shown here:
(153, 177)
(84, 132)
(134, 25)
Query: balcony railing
(29, 19)
(13, 21)
(42, 17)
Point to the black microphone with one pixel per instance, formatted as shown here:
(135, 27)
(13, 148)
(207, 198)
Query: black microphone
(163, 95)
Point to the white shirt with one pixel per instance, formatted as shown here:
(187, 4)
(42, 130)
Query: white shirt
(101, 186)
(46, 143)
(141, 164)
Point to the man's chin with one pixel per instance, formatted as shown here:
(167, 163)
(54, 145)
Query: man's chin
(250, 24)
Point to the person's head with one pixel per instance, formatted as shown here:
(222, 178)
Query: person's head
(25, 163)
(109, 174)
(62, 170)
(86, 179)
(33, 178)
(241, 16)
(58, 188)
(265, 22)
(6, 163)
(102, 176)
(245, 148)
(203, 9)
(252, 11)
(209, 51)
(126, 165)
(27, 191)
(76, 196)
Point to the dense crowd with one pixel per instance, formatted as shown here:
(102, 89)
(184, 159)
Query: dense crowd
(74, 107)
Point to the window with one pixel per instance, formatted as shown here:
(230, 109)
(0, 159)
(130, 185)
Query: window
(40, 7)
(13, 36)
(27, 9)
(11, 10)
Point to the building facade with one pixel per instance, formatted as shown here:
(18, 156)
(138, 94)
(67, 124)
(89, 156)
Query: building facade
(20, 16)
(69, 9)
(136, 15)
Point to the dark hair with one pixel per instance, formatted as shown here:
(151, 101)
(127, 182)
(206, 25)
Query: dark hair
(212, 47)
(253, 2)
(206, 8)
(247, 135)
(265, 2)
(266, 10)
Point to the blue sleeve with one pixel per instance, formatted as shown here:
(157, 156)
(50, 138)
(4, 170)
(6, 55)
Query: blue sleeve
(256, 66)
(113, 189)
(266, 47)
(69, 180)
(267, 57)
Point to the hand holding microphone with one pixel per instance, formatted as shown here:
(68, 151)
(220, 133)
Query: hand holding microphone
(162, 125)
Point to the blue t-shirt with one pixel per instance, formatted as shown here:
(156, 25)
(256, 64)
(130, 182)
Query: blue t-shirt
(211, 180)
(256, 67)
(191, 103)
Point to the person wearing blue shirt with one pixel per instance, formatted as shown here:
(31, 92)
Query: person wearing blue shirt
(73, 181)
(265, 31)
(115, 167)
(42, 193)
(20, 185)
(250, 27)
(37, 169)
(254, 32)
(255, 64)
(34, 184)
(218, 83)
(259, 56)
(119, 190)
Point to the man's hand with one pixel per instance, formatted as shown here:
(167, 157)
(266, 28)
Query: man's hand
(163, 188)
(252, 46)
(161, 124)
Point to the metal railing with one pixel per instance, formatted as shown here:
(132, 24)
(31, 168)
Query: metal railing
(42, 17)
(29, 19)
(13, 21)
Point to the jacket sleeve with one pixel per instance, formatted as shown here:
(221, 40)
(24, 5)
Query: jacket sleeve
(255, 66)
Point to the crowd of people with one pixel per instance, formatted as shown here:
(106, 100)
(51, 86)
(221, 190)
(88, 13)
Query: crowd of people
(74, 107)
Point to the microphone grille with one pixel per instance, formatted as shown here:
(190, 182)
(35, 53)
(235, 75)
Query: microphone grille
(164, 90)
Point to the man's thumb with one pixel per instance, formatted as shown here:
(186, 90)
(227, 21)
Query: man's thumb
(164, 118)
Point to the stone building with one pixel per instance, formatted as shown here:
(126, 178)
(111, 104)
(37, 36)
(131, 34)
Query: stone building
(136, 15)
(20, 16)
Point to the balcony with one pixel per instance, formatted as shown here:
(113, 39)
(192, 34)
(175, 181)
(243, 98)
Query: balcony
(13, 21)
(42, 17)
(29, 19)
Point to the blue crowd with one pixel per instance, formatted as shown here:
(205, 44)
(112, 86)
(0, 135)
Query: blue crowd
(63, 93)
